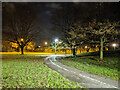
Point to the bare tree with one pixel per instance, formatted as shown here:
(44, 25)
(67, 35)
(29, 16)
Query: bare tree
(76, 36)
(102, 32)
(63, 20)
(66, 17)
(18, 24)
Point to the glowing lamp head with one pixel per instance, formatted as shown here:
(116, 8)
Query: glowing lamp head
(38, 46)
(85, 46)
(56, 40)
(22, 39)
(114, 45)
(45, 43)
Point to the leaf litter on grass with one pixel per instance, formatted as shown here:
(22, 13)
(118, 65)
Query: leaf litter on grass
(30, 72)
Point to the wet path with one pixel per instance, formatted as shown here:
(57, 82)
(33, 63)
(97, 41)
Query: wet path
(83, 78)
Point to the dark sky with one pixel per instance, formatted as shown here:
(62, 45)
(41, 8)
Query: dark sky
(45, 10)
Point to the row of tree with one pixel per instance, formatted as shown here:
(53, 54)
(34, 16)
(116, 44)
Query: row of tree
(82, 23)
(87, 25)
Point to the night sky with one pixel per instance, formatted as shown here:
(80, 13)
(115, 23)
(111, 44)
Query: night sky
(44, 12)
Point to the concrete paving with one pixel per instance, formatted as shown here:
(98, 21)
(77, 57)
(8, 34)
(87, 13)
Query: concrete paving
(84, 79)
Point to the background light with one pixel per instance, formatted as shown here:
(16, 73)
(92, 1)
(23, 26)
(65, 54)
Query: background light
(114, 45)
(118, 45)
(45, 43)
(85, 46)
(56, 40)
(21, 39)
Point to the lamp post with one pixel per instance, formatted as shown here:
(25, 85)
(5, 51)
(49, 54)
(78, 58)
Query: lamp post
(22, 39)
(56, 40)
(22, 45)
(46, 43)
(39, 48)
(46, 46)
(85, 46)
(114, 45)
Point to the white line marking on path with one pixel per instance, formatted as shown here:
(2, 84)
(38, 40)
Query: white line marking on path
(98, 81)
(81, 74)
(59, 66)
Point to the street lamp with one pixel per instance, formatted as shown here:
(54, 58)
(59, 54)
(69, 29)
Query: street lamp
(85, 46)
(56, 40)
(39, 47)
(114, 45)
(46, 43)
(22, 39)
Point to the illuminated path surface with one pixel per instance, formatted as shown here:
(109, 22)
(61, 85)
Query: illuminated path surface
(83, 78)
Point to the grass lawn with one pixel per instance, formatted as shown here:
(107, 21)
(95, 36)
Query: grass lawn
(107, 67)
(23, 71)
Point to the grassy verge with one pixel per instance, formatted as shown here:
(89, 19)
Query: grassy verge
(22, 71)
(107, 67)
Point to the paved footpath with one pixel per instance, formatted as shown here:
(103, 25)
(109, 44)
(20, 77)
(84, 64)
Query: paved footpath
(83, 78)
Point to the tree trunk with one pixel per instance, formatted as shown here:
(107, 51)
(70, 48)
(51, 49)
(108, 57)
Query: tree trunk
(74, 52)
(65, 51)
(101, 49)
(80, 49)
(22, 50)
(88, 49)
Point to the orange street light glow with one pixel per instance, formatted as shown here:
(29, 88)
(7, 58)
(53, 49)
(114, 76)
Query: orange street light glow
(22, 39)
